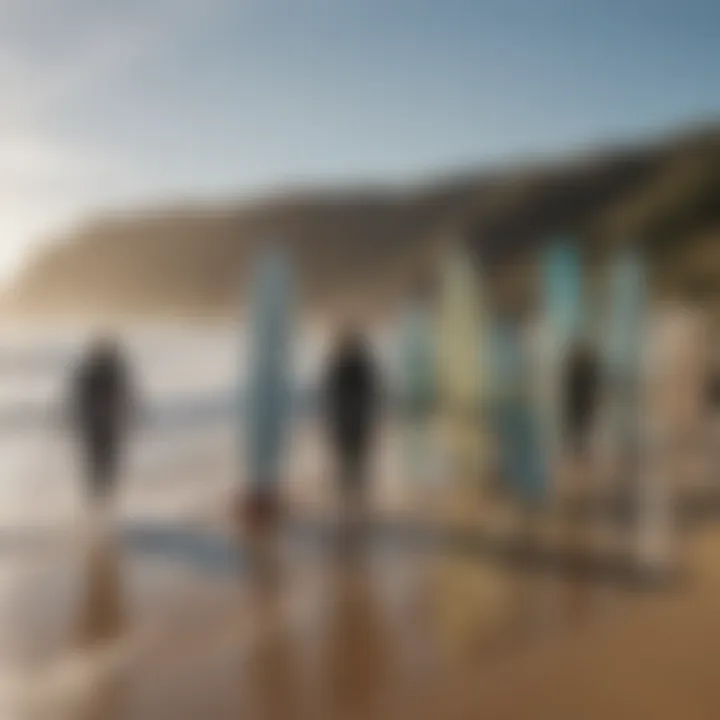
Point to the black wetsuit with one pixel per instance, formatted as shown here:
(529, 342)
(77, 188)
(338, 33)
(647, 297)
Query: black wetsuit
(351, 403)
(579, 398)
(102, 398)
(713, 392)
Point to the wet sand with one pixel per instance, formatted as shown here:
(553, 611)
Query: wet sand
(159, 612)
(365, 637)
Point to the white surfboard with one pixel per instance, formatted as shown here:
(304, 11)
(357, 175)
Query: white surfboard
(417, 391)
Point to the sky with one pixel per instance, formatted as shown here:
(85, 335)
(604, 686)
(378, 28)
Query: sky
(115, 104)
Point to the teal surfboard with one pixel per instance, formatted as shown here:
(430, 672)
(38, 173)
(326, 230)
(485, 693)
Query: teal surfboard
(417, 388)
(623, 342)
(515, 418)
(563, 318)
(268, 389)
(563, 290)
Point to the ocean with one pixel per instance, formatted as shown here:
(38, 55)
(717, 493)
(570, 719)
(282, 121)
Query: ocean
(188, 438)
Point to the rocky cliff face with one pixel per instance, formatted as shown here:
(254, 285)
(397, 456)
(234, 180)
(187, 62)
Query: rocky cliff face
(364, 246)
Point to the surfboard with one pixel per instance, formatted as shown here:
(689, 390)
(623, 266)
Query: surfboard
(417, 390)
(639, 444)
(563, 315)
(268, 383)
(623, 343)
(471, 598)
(459, 388)
(516, 423)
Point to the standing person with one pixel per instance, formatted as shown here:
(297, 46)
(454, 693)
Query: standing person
(579, 403)
(713, 407)
(713, 383)
(102, 401)
(580, 398)
(351, 403)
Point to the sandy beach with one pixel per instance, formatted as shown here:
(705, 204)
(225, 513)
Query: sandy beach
(157, 607)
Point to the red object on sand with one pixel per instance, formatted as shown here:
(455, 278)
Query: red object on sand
(259, 509)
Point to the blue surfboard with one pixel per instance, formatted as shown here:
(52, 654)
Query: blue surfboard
(562, 274)
(563, 322)
(268, 389)
(515, 417)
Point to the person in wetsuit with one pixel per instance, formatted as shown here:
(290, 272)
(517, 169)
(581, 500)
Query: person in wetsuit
(712, 389)
(351, 403)
(102, 401)
(580, 396)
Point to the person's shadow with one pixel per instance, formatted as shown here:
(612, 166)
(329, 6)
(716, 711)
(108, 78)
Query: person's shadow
(355, 668)
(99, 628)
(101, 613)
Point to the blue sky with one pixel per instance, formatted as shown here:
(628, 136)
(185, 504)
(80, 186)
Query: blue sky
(110, 103)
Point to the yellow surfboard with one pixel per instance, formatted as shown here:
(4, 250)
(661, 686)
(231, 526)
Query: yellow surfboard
(471, 594)
(458, 367)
